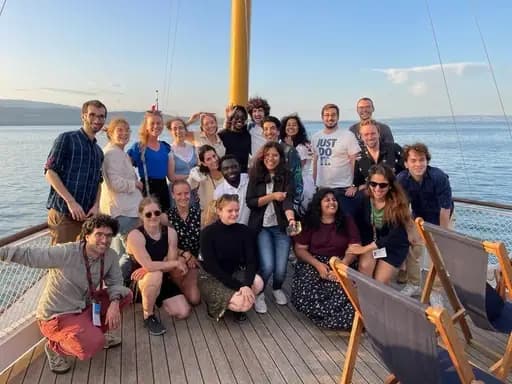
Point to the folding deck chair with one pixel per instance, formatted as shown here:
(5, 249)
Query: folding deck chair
(403, 333)
(460, 262)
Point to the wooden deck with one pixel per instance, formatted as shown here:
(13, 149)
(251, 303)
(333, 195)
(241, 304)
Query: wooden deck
(281, 346)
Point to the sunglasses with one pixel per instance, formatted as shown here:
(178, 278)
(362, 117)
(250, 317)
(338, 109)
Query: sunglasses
(374, 184)
(150, 214)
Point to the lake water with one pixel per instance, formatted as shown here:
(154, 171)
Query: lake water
(477, 160)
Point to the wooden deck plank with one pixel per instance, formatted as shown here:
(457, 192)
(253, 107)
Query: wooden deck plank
(159, 359)
(192, 370)
(35, 368)
(299, 345)
(144, 365)
(174, 357)
(286, 369)
(208, 371)
(128, 372)
(113, 364)
(47, 376)
(220, 360)
(246, 352)
(270, 368)
(97, 369)
(16, 373)
(233, 355)
(67, 378)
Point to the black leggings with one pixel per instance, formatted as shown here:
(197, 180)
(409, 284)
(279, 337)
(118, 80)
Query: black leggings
(159, 189)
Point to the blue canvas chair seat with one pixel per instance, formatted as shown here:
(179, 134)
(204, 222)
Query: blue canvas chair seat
(460, 262)
(402, 332)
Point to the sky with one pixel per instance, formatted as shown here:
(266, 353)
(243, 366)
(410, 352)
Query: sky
(303, 54)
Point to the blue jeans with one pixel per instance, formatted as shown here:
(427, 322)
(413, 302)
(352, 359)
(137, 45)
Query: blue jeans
(274, 247)
(126, 224)
(349, 205)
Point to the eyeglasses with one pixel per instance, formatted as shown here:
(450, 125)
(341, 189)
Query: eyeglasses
(150, 214)
(374, 184)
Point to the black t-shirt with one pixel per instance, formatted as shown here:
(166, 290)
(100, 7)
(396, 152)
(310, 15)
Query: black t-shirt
(237, 144)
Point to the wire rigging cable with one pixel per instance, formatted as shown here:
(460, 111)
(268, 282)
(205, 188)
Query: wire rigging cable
(170, 57)
(484, 45)
(454, 121)
(3, 6)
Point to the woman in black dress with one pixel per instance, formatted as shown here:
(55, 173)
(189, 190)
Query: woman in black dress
(315, 291)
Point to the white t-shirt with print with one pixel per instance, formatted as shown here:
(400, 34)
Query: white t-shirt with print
(333, 150)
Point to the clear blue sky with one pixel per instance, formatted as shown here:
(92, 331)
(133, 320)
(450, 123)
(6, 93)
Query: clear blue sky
(303, 54)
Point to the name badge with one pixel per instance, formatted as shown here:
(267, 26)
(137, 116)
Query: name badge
(96, 314)
(379, 253)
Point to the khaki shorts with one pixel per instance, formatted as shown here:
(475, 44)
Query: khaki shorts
(63, 229)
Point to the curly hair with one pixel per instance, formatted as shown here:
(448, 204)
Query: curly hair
(301, 137)
(258, 102)
(260, 172)
(98, 221)
(396, 210)
(313, 215)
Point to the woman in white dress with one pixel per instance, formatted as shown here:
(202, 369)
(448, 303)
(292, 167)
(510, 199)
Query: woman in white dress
(294, 133)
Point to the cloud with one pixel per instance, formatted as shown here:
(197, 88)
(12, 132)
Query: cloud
(81, 92)
(402, 75)
(419, 88)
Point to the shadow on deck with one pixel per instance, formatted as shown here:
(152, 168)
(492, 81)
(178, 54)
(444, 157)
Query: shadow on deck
(281, 346)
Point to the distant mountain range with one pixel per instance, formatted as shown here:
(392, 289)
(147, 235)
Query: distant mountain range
(26, 112)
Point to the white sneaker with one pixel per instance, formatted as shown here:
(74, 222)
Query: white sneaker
(436, 299)
(259, 304)
(410, 290)
(280, 297)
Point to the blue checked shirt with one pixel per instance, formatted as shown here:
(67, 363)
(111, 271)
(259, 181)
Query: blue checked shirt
(77, 160)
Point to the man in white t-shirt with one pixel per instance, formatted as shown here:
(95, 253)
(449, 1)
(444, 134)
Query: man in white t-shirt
(235, 183)
(335, 153)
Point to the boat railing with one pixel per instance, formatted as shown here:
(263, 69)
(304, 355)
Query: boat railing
(20, 286)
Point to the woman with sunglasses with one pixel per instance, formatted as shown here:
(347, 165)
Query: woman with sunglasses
(228, 278)
(327, 232)
(270, 198)
(151, 157)
(154, 248)
(382, 223)
(205, 179)
(186, 221)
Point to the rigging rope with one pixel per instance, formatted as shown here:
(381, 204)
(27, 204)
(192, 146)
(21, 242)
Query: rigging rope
(3, 6)
(507, 121)
(448, 93)
(169, 67)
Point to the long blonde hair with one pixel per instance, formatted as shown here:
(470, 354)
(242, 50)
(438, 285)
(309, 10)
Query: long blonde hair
(143, 132)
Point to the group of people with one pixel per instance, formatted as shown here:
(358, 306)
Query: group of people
(214, 215)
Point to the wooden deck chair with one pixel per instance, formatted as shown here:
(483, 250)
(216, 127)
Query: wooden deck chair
(403, 333)
(460, 262)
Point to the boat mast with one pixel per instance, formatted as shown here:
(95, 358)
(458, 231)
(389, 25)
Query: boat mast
(239, 56)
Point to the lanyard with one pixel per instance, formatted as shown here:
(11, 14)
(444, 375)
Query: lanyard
(372, 219)
(92, 291)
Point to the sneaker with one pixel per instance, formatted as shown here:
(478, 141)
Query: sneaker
(154, 325)
(57, 362)
(401, 278)
(280, 297)
(259, 305)
(410, 290)
(240, 317)
(112, 340)
(436, 299)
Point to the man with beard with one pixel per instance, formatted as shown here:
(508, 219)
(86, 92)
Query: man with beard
(335, 153)
(365, 109)
(73, 170)
(375, 152)
(235, 183)
(84, 295)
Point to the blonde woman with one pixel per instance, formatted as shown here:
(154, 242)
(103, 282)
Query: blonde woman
(152, 158)
(121, 191)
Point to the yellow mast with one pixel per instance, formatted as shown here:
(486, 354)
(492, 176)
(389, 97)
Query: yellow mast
(239, 56)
